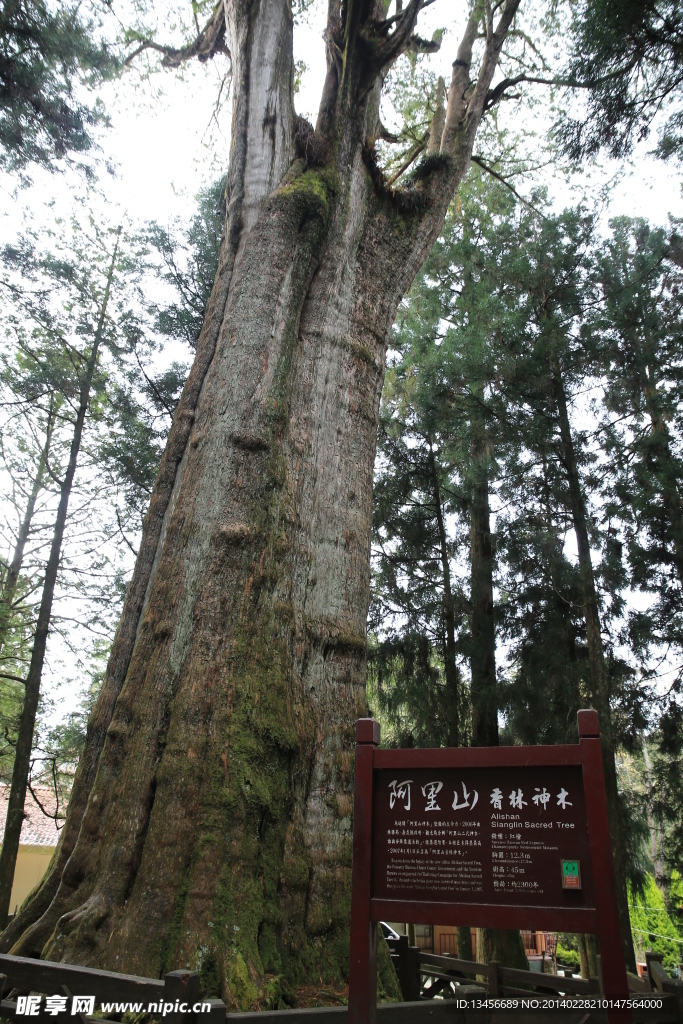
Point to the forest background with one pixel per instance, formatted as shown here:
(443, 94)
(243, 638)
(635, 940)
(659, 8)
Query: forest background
(532, 403)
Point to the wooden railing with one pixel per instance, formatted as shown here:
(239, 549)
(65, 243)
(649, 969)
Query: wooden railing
(426, 976)
(661, 982)
(422, 976)
(22, 975)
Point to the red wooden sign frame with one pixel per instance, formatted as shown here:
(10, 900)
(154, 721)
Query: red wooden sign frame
(366, 911)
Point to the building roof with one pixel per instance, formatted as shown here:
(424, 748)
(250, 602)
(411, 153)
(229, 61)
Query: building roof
(37, 829)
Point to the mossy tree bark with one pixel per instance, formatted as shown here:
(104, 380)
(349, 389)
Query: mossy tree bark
(210, 822)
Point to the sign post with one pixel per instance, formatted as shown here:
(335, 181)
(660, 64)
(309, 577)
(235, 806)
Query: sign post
(493, 837)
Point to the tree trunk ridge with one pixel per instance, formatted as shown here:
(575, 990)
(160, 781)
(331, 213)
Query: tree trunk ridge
(211, 820)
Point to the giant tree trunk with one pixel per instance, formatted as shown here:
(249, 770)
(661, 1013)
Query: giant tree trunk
(599, 684)
(210, 823)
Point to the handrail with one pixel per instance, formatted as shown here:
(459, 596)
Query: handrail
(27, 975)
(413, 962)
(48, 977)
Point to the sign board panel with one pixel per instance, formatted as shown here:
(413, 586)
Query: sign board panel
(497, 836)
(491, 837)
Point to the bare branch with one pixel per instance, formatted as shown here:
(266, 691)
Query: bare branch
(210, 41)
(489, 20)
(45, 812)
(491, 56)
(438, 120)
(410, 159)
(15, 679)
(494, 95)
(123, 534)
(458, 93)
(499, 177)
(387, 136)
(388, 50)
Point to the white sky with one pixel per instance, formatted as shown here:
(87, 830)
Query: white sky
(166, 144)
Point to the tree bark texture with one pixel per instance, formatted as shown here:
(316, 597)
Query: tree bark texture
(588, 953)
(210, 824)
(464, 943)
(599, 683)
(27, 721)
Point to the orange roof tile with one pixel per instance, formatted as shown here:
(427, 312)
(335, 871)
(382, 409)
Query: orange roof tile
(37, 829)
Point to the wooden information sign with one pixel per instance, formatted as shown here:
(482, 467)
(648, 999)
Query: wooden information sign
(490, 837)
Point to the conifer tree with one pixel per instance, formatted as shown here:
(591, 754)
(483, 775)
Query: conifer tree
(638, 329)
(87, 363)
(518, 304)
(48, 52)
(627, 55)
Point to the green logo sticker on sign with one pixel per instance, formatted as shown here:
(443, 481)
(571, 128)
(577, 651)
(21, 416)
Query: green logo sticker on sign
(571, 874)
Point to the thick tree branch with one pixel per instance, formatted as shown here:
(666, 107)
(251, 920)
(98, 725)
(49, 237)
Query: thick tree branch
(386, 135)
(458, 93)
(387, 51)
(438, 120)
(494, 95)
(494, 44)
(416, 44)
(210, 41)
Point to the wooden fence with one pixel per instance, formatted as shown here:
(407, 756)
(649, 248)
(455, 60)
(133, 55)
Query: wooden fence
(425, 975)
(435, 989)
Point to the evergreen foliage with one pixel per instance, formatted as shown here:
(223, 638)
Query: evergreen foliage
(652, 926)
(639, 329)
(48, 53)
(515, 317)
(51, 287)
(189, 264)
(629, 56)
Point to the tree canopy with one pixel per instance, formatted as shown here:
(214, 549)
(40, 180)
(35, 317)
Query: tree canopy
(628, 55)
(52, 59)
